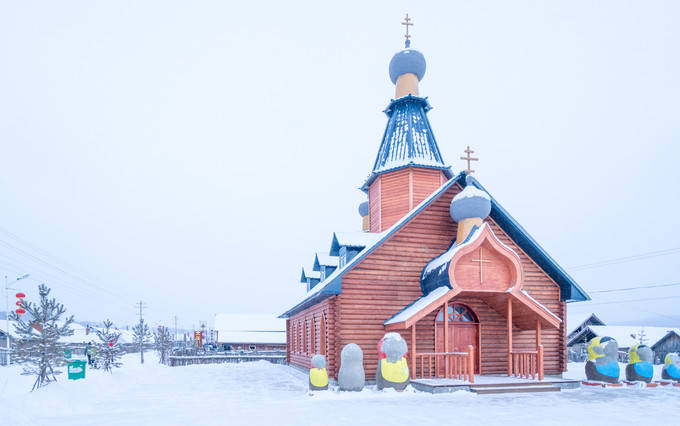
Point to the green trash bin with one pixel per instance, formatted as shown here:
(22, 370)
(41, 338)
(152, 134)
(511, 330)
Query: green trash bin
(76, 370)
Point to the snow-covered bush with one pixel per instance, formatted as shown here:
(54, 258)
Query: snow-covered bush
(163, 343)
(37, 346)
(141, 336)
(108, 348)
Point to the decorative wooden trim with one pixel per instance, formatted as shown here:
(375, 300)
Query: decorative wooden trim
(323, 337)
(410, 189)
(404, 325)
(539, 310)
(413, 351)
(509, 325)
(380, 200)
(509, 254)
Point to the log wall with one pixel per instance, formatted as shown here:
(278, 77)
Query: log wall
(304, 339)
(394, 194)
(389, 279)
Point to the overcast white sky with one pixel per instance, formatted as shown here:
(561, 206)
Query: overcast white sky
(196, 154)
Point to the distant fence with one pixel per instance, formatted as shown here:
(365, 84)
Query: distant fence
(175, 361)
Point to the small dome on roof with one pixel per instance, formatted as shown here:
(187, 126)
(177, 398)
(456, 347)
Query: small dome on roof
(470, 202)
(407, 61)
(363, 209)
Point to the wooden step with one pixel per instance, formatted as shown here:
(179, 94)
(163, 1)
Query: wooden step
(513, 389)
(511, 384)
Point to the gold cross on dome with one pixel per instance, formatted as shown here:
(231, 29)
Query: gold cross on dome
(468, 151)
(481, 261)
(407, 23)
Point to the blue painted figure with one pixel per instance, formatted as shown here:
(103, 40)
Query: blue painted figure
(602, 365)
(640, 367)
(671, 367)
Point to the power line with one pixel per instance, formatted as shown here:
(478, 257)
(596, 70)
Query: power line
(626, 259)
(57, 268)
(632, 300)
(636, 288)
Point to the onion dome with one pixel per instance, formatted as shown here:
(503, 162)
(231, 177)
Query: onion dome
(363, 209)
(407, 61)
(470, 203)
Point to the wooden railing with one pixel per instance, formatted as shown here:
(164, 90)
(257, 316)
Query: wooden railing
(527, 364)
(449, 365)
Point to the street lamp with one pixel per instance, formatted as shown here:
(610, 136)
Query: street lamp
(7, 289)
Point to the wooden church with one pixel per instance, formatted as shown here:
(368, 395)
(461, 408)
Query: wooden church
(439, 261)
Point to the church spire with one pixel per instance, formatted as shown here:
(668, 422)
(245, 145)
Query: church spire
(408, 139)
(408, 156)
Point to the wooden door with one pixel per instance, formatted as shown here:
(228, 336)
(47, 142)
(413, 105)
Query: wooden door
(463, 332)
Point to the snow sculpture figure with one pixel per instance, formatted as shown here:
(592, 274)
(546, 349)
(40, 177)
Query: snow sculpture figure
(318, 376)
(640, 367)
(602, 365)
(351, 376)
(392, 369)
(671, 367)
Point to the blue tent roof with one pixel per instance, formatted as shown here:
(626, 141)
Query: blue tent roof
(408, 139)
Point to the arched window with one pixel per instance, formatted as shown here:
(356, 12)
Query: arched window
(457, 313)
(301, 344)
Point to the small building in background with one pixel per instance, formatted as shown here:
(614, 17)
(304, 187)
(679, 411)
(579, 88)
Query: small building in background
(250, 332)
(661, 340)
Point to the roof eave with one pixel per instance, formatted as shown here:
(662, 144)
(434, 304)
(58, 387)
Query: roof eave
(518, 234)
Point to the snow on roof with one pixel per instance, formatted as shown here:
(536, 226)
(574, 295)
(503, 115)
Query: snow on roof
(249, 322)
(252, 337)
(408, 137)
(471, 191)
(417, 306)
(446, 257)
(326, 260)
(540, 305)
(249, 328)
(355, 239)
(311, 273)
(576, 319)
(375, 238)
(627, 335)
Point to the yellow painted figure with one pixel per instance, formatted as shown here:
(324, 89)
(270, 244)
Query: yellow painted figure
(396, 372)
(392, 371)
(318, 376)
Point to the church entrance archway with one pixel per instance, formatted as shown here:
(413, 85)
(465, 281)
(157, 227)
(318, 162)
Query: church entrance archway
(463, 331)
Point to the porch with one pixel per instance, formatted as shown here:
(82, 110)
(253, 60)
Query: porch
(457, 359)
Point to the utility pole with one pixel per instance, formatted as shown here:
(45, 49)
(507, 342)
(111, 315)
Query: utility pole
(141, 306)
(175, 336)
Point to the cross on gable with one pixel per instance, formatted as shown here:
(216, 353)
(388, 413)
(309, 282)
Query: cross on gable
(481, 261)
(468, 158)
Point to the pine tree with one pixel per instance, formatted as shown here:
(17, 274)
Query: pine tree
(163, 343)
(38, 346)
(141, 335)
(108, 349)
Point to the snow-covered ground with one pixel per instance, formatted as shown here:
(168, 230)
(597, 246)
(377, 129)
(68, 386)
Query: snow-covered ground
(263, 393)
